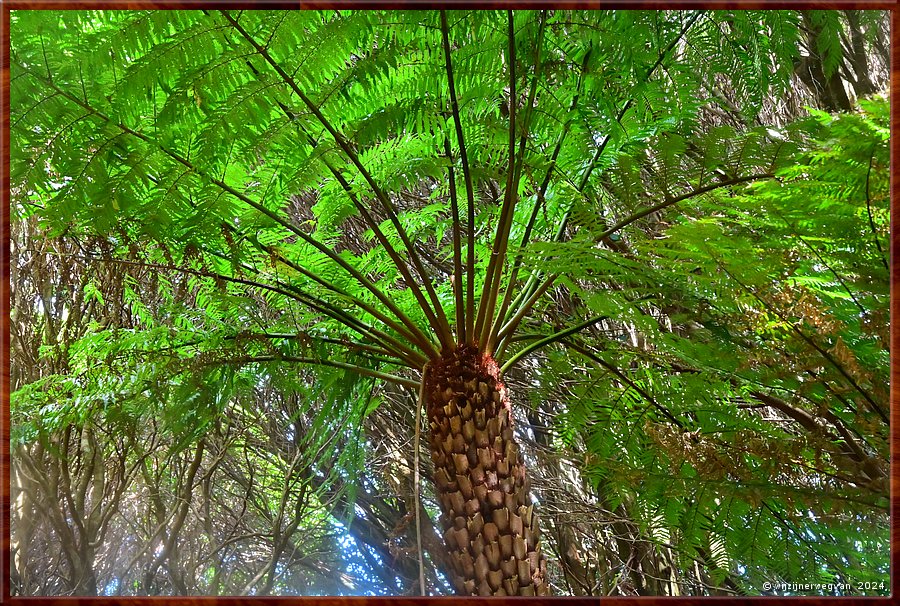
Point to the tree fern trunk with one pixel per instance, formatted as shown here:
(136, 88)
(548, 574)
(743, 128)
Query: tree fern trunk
(488, 521)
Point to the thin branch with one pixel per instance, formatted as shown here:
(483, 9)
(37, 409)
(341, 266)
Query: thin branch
(437, 318)
(416, 497)
(183, 509)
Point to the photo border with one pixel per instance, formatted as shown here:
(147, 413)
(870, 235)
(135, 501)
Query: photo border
(5, 489)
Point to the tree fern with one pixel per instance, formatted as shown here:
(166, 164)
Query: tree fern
(348, 204)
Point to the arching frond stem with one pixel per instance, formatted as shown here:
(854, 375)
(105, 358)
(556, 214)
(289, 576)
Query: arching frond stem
(417, 336)
(469, 334)
(359, 277)
(687, 196)
(873, 405)
(271, 250)
(391, 345)
(301, 336)
(869, 212)
(522, 310)
(526, 306)
(625, 379)
(436, 316)
(555, 337)
(361, 370)
(532, 283)
(539, 199)
(837, 276)
(490, 336)
(457, 249)
(411, 332)
(486, 304)
(344, 317)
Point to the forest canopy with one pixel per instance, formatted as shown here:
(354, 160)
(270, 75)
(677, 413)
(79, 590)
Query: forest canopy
(449, 302)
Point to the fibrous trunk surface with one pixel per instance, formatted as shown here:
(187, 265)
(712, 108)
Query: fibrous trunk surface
(488, 520)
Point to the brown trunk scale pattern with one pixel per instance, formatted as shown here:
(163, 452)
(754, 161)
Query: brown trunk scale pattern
(488, 520)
